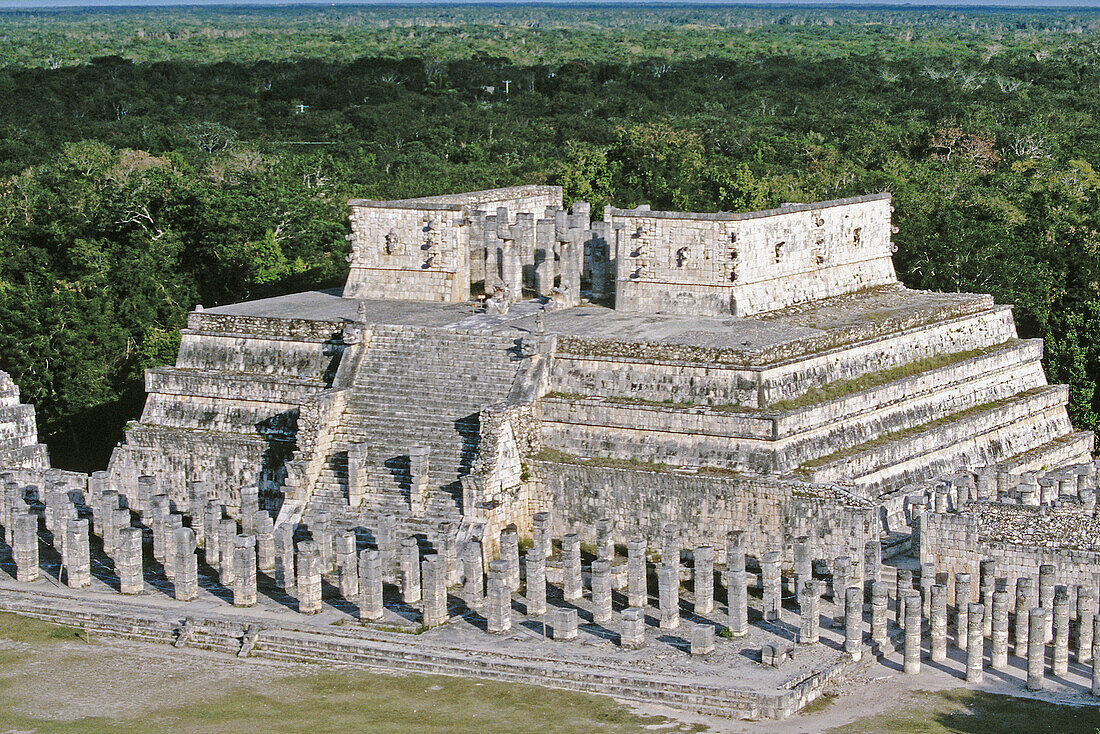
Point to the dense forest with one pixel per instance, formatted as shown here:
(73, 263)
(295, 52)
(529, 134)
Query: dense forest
(153, 160)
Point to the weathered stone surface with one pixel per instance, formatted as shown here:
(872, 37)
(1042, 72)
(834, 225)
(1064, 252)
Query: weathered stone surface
(186, 582)
(129, 562)
(244, 571)
(371, 607)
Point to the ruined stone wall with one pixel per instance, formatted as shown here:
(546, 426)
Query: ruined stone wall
(771, 512)
(419, 249)
(744, 264)
(955, 543)
(227, 411)
(19, 447)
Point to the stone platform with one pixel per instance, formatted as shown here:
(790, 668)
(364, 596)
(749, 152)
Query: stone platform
(798, 329)
(730, 682)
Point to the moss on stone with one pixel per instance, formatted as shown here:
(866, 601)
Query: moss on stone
(843, 388)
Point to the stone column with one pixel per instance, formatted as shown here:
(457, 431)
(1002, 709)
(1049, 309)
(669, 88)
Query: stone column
(1060, 660)
(78, 563)
(1047, 581)
(250, 505)
(772, 583)
(131, 571)
(937, 616)
(120, 520)
(371, 607)
(803, 562)
(540, 533)
(601, 591)
(98, 483)
(853, 622)
(872, 561)
(227, 540)
(565, 624)
(632, 631)
(244, 571)
(879, 600)
(670, 546)
(419, 466)
(636, 586)
(1096, 655)
(474, 571)
(309, 578)
(975, 642)
(571, 566)
(264, 528)
(160, 508)
(1086, 609)
(25, 545)
(809, 603)
(509, 553)
(999, 631)
(347, 564)
(285, 575)
(1025, 600)
(323, 535)
(196, 503)
(410, 571)
(545, 267)
(435, 591)
(987, 584)
(911, 664)
(500, 599)
(605, 539)
(668, 579)
(186, 564)
(737, 592)
(1036, 648)
(103, 520)
(735, 550)
(962, 599)
(386, 540)
(146, 490)
(842, 574)
(702, 639)
(535, 564)
(446, 546)
(173, 523)
(704, 580)
(927, 581)
(212, 517)
(905, 585)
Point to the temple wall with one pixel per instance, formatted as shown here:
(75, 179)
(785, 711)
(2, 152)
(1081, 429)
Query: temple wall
(952, 542)
(420, 249)
(750, 263)
(639, 502)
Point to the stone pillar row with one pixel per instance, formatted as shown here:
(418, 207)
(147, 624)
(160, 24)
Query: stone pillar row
(1044, 621)
(1044, 612)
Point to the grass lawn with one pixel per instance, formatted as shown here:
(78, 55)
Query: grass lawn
(961, 711)
(182, 700)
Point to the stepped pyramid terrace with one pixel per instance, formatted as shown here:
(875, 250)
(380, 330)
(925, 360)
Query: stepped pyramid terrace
(749, 394)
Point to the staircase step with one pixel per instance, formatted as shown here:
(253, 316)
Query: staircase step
(969, 437)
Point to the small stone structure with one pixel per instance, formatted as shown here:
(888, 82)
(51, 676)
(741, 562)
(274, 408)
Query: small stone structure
(19, 447)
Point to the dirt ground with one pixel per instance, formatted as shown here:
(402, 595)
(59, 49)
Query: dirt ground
(52, 680)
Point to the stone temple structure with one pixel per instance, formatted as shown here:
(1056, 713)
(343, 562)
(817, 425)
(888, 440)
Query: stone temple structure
(753, 395)
(763, 370)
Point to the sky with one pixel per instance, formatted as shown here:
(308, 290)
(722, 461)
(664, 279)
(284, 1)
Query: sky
(12, 4)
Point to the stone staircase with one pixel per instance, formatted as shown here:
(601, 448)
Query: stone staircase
(415, 387)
